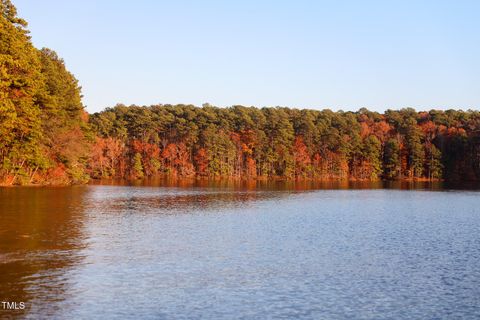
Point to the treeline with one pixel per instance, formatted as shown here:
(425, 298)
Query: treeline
(184, 140)
(43, 125)
(46, 137)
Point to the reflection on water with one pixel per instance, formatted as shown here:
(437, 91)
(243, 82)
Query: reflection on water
(292, 185)
(40, 241)
(285, 185)
(240, 249)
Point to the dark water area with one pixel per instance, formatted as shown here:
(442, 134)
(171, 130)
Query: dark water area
(189, 249)
(292, 185)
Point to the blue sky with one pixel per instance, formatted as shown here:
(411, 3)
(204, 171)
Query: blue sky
(305, 54)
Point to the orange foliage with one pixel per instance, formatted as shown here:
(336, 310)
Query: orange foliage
(365, 130)
(251, 167)
(201, 158)
(106, 156)
(302, 158)
(182, 161)
(382, 130)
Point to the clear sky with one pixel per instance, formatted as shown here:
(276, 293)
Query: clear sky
(307, 54)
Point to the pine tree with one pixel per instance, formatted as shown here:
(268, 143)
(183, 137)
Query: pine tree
(20, 124)
(391, 162)
(371, 153)
(434, 163)
(416, 149)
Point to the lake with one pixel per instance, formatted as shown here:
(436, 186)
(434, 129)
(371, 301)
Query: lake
(215, 250)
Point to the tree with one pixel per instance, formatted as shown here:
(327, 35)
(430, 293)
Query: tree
(43, 127)
(391, 162)
(416, 150)
(137, 166)
(20, 126)
(201, 160)
(372, 158)
(434, 163)
(301, 158)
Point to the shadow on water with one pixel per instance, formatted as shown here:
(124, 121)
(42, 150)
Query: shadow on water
(41, 237)
(290, 185)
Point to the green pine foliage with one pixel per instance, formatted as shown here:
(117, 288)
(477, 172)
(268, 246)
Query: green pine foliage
(42, 121)
(391, 163)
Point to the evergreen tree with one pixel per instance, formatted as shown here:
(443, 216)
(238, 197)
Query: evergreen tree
(20, 125)
(391, 161)
(43, 126)
(371, 153)
(416, 149)
(434, 163)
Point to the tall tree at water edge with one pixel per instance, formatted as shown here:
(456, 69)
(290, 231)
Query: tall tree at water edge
(43, 125)
(20, 127)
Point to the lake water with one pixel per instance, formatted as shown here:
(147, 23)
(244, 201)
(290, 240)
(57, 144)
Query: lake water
(242, 251)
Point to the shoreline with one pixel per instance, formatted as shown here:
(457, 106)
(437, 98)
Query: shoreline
(166, 178)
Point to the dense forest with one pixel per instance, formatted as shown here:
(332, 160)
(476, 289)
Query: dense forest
(238, 141)
(46, 136)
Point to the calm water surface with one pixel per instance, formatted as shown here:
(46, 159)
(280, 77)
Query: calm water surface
(218, 251)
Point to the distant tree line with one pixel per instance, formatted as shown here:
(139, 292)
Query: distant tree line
(46, 137)
(184, 140)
